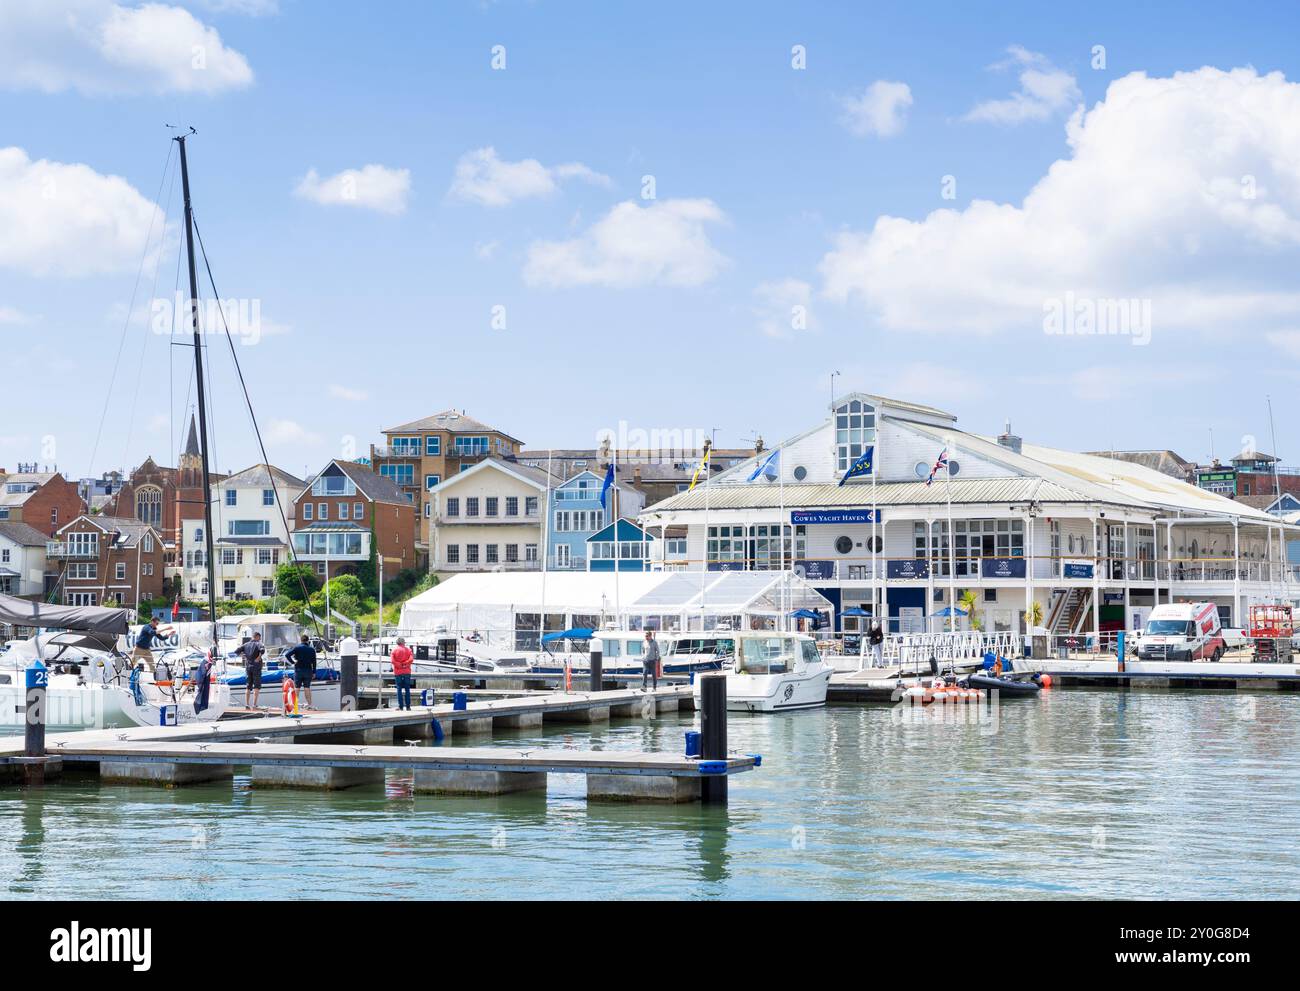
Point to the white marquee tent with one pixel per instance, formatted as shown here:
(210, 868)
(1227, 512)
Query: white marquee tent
(503, 606)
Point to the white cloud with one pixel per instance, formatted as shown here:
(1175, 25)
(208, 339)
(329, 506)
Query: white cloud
(375, 187)
(58, 219)
(783, 308)
(484, 250)
(665, 243)
(1286, 341)
(347, 394)
(483, 177)
(286, 432)
(104, 48)
(880, 110)
(249, 8)
(1044, 91)
(13, 317)
(1154, 202)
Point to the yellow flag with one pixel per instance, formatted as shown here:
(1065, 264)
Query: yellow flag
(700, 467)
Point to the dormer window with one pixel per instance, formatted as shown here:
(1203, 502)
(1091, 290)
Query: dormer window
(855, 431)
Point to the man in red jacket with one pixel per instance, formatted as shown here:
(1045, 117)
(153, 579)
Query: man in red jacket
(402, 669)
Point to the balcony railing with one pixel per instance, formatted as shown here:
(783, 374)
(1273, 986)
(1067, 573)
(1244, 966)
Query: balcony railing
(68, 551)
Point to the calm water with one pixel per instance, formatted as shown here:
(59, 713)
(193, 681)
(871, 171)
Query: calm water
(1080, 794)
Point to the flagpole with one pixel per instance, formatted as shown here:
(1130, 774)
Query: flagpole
(546, 547)
(875, 589)
(618, 560)
(952, 552)
(785, 579)
(704, 564)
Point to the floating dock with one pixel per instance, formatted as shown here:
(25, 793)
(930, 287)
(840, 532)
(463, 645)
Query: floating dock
(332, 750)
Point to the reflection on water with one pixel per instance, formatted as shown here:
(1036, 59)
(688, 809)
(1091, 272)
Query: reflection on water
(1077, 794)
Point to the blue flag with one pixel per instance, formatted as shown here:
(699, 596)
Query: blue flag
(609, 481)
(769, 467)
(860, 467)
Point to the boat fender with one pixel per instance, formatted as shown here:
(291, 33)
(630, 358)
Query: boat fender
(758, 759)
(1045, 680)
(438, 732)
(712, 766)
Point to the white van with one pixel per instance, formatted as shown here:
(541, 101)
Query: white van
(1182, 631)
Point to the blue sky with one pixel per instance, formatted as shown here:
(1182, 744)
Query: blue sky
(770, 185)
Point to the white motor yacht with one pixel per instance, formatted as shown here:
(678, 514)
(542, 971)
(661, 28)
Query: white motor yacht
(774, 672)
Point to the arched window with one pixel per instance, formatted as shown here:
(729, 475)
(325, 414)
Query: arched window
(855, 431)
(148, 505)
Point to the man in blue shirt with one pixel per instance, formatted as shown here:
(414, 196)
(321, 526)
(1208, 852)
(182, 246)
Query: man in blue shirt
(145, 641)
(304, 666)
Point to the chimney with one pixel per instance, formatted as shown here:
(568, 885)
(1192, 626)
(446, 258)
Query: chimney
(1009, 440)
(636, 475)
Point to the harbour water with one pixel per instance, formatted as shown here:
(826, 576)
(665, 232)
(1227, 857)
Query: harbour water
(1079, 794)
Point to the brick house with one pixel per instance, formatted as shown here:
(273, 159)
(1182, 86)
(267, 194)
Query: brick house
(107, 560)
(43, 500)
(347, 510)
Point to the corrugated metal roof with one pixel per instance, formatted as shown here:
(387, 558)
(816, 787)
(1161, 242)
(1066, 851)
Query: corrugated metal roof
(964, 491)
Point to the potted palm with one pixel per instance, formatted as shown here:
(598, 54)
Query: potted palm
(967, 602)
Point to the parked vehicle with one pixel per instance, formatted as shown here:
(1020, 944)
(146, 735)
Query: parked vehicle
(1182, 631)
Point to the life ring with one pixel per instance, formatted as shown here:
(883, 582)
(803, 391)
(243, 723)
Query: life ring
(290, 692)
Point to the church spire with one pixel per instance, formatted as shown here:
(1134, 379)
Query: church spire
(192, 445)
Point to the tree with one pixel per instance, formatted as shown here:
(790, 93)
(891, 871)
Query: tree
(968, 600)
(347, 595)
(1034, 615)
(290, 579)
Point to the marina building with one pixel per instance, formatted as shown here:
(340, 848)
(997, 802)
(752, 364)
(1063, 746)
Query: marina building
(935, 516)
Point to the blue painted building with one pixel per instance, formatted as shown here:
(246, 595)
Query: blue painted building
(622, 543)
(576, 514)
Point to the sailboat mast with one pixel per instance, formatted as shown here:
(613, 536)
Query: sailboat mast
(203, 406)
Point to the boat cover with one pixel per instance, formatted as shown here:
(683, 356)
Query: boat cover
(83, 619)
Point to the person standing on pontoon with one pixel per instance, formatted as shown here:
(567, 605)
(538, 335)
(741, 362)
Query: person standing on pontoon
(650, 662)
(876, 637)
(402, 673)
(304, 666)
(253, 652)
(144, 642)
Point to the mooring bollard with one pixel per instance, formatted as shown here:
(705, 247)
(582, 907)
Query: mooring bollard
(348, 651)
(35, 718)
(597, 664)
(713, 735)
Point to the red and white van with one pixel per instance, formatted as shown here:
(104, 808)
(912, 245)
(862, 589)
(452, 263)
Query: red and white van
(1182, 631)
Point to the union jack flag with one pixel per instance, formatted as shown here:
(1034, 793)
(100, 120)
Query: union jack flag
(940, 465)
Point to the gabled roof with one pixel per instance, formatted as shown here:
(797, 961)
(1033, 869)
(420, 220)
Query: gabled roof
(260, 476)
(22, 534)
(36, 478)
(449, 421)
(531, 476)
(130, 530)
(627, 530)
(375, 487)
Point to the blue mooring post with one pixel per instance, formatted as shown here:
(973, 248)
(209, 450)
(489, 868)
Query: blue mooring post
(1119, 650)
(34, 719)
(713, 735)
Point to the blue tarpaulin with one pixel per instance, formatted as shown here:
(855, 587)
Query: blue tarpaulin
(581, 633)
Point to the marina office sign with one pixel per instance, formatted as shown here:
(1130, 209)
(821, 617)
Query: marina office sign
(829, 517)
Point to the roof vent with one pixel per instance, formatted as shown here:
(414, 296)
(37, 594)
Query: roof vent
(1009, 440)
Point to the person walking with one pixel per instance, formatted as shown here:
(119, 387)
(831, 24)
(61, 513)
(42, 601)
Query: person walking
(304, 666)
(253, 651)
(877, 640)
(402, 673)
(650, 660)
(144, 642)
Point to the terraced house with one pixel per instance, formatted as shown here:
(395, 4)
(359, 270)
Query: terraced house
(489, 518)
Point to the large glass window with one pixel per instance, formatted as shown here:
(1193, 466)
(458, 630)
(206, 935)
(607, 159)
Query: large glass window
(148, 505)
(248, 528)
(972, 540)
(855, 431)
(433, 445)
(726, 543)
(472, 445)
(765, 547)
(401, 474)
(405, 447)
(333, 485)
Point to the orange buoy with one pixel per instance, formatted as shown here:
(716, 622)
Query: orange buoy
(1045, 680)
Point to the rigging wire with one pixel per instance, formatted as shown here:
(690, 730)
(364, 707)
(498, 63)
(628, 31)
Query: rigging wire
(248, 402)
(126, 323)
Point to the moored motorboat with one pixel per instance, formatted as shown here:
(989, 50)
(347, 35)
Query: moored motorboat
(774, 672)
